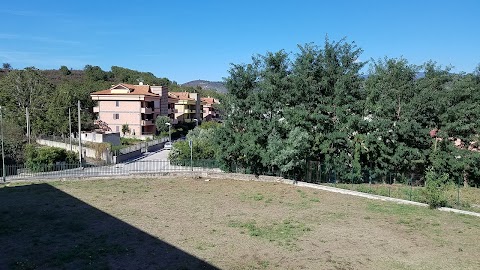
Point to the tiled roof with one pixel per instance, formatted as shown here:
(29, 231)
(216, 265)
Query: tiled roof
(209, 100)
(180, 95)
(134, 90)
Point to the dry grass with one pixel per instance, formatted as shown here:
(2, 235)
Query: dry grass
(248, 225)
(466, 198)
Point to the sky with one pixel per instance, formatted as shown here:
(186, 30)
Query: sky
(190, 40)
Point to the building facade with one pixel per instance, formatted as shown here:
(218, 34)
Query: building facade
(210, 112)
(135, 105)
(185, 107)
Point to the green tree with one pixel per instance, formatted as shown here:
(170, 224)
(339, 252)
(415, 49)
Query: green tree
(396, 141)
(65, 71)
(27, 88)
(204, 147)
(125, 129)
(161, 123)
(7, 66)
(276, 100)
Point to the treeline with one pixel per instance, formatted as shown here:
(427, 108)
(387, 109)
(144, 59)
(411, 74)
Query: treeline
(49, 94)
(283, 111)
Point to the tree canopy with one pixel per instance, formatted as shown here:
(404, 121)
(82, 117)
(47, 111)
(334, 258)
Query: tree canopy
(283, 110)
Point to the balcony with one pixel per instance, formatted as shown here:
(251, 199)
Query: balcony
(96, 109)
(188, 111)
(170, 111)
(147, 122)
(147, 110)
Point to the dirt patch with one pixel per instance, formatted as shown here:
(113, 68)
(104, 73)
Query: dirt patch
(230, 225)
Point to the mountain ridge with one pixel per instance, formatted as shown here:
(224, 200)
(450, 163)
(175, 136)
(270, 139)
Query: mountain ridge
(204, 84)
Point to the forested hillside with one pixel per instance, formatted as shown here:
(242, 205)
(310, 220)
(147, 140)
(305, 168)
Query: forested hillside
(284, 110)
(50, 93)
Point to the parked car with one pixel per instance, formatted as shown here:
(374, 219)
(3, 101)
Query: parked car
(167, 146)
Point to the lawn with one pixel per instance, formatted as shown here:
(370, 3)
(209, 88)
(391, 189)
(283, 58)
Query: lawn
(222, 224)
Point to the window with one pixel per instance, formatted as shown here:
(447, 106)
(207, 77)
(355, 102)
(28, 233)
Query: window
(116, 116)
(117, 103)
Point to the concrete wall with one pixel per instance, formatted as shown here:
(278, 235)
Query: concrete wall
(113, 138)
(125, 157)
(87, 152)
(156, 147)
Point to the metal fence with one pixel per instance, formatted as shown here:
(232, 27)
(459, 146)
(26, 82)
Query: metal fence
(407, 186)
(44, 171)
(392, 184)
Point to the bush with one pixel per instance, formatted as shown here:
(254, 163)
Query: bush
(42, 158)
(203, 146)
(436, 186)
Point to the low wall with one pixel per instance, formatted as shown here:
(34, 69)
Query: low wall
(156, 147)
(127, 156)
(87, 152)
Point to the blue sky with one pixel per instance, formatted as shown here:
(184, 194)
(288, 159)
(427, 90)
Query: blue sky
(189, 40)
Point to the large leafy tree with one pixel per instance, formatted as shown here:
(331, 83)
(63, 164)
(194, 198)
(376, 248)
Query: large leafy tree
(27, 88)
(273, 103)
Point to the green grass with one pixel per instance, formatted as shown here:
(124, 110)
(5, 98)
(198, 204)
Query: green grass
(284, 233)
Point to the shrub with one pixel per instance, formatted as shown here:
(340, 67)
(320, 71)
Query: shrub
(435, 189)
(44, 158)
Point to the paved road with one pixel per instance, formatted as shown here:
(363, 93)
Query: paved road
(159, 155)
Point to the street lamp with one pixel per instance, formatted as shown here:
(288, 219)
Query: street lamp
(3, 152)
(169, 131)
(196, 121)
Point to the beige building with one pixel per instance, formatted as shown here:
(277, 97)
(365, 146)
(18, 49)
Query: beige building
(185, 107)
(209, 110)
(135, 105)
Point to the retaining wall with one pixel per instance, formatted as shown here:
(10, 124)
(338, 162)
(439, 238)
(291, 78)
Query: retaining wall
(87, 152)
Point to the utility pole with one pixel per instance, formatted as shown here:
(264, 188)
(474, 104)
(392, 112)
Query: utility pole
(3, 152)
(79, 136)
(70, 127)
(28, 124)
(190, 143)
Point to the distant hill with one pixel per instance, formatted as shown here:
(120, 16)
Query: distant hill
(217, 86)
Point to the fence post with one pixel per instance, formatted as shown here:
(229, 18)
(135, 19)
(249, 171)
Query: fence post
(353, 179)
(335, 178)
(411, 187)
(390, 185)
(458, 191)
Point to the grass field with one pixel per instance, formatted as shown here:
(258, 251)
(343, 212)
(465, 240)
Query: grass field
(222, 224)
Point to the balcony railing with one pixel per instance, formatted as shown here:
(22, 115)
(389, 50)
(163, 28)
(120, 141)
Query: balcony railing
(147, 110)
(147, 122)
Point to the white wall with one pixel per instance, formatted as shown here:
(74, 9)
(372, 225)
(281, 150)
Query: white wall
(88, 152)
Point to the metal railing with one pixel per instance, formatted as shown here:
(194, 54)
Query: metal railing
(46, 171)
(140, 146)
(401, 185)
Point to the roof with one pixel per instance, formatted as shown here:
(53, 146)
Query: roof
(209, 100)
(133, 90)
(180, 95)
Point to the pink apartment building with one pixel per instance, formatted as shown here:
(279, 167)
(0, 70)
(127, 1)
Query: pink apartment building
(135, 105)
